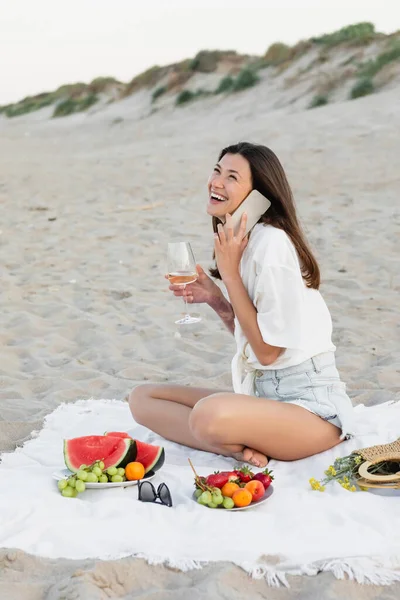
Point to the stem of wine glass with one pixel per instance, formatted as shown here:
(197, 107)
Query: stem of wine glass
(185, 301)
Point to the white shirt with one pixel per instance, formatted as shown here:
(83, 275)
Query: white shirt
(289, 314)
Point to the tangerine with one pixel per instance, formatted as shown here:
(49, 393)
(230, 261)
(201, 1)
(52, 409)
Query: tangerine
(134, 471)
(229, 489)
(255, 488)
(242, 497)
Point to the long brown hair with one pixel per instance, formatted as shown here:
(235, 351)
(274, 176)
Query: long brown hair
(268, 178)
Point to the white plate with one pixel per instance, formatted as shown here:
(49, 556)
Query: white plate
(267, 494)
(63, 473)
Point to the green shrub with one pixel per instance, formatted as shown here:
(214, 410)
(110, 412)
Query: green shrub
(71, 106)
(372, 67)
(246, 79)
(360, 33)
(206, 61)
(363, 87)
(158, 92)
(184, 97)
(28, 105)
(87, 102)
(225, 85)
(276, 54)
(318, 100)
(100, 84)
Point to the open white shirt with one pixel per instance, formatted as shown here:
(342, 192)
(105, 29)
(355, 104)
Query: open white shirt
(289, 314)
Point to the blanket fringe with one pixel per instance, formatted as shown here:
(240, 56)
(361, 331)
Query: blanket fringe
(365, 571)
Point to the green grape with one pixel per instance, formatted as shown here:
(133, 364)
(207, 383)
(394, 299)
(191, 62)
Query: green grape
(206, 497)
(83, 467)
(200, 501)
(75, 493)
(71, 481)
(103, 478)
(101, 465)
(92, 478)
(82, 475)
(112, 471)
(80, 486)
(198, 493)
(121, 471)
(228, 502)
(62, 484)
(68, 492)
(216, 491)
(212, 505)
(97, 471)
(116, 479)
(217, 499)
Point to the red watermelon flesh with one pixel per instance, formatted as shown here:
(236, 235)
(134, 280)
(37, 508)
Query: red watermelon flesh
(151, 457)
(120, 434)
(113, 451)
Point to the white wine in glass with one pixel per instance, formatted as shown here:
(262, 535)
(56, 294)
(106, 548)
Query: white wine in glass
(182, 271)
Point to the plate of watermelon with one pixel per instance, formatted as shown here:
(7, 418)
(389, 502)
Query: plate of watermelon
(114, 459)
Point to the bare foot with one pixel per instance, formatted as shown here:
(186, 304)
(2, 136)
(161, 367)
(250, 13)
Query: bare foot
(255, 458)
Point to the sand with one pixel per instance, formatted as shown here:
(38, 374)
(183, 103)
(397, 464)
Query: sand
(88, 205)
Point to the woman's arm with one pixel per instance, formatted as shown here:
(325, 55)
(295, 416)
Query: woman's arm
(224, 310)
(246, 314)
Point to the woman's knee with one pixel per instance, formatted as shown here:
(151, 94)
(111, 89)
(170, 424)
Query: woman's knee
(209, 418)
(138, 400)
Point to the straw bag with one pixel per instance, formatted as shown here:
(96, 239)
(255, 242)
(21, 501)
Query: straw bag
(379, 454)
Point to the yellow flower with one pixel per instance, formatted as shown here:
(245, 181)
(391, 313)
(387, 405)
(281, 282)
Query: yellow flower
(316, 485)
(353, 488)
(358, 460)
(331, 471)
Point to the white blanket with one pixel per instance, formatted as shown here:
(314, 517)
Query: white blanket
(297, 531)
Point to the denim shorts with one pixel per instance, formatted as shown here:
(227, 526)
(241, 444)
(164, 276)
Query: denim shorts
(314, 384)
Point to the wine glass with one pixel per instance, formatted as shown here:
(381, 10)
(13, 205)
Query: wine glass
(182, 271)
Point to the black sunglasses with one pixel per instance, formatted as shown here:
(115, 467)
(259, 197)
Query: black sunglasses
(147, 493)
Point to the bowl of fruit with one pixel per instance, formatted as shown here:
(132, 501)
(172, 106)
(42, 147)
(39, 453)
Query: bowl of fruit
(238, 489)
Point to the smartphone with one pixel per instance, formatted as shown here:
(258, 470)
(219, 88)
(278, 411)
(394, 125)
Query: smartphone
(254, 205)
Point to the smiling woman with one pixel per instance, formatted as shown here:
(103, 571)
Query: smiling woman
(288, 400)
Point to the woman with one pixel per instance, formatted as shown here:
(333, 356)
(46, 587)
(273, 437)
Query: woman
(288, 401)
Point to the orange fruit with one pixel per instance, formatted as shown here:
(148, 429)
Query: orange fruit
(255, 488)
(242, 497)
(229, 489)
(134, 471)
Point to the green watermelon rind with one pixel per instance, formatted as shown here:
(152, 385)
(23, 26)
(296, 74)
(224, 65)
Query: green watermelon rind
(158, 460)
(128, 455)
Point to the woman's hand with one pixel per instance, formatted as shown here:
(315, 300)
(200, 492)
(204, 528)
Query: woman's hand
(202, 290)
(229, 248)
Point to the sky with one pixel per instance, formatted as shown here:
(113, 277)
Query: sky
(47, 43)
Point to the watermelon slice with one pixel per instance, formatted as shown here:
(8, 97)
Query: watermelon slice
(113, 451)
(120, 434)
(151, 457)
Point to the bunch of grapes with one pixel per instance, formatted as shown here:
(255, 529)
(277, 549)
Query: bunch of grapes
(95, 473)
(213, 498)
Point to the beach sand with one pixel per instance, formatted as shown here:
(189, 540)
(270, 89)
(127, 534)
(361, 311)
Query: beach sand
(88, 204)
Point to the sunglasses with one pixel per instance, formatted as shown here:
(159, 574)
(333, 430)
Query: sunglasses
(147, 493)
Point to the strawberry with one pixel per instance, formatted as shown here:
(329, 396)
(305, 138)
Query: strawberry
(218, 479)
(265, 477)
(244, 474)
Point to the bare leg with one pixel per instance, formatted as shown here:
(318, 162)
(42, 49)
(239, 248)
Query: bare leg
(166, 410)
(276, 429)
(232, 424)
